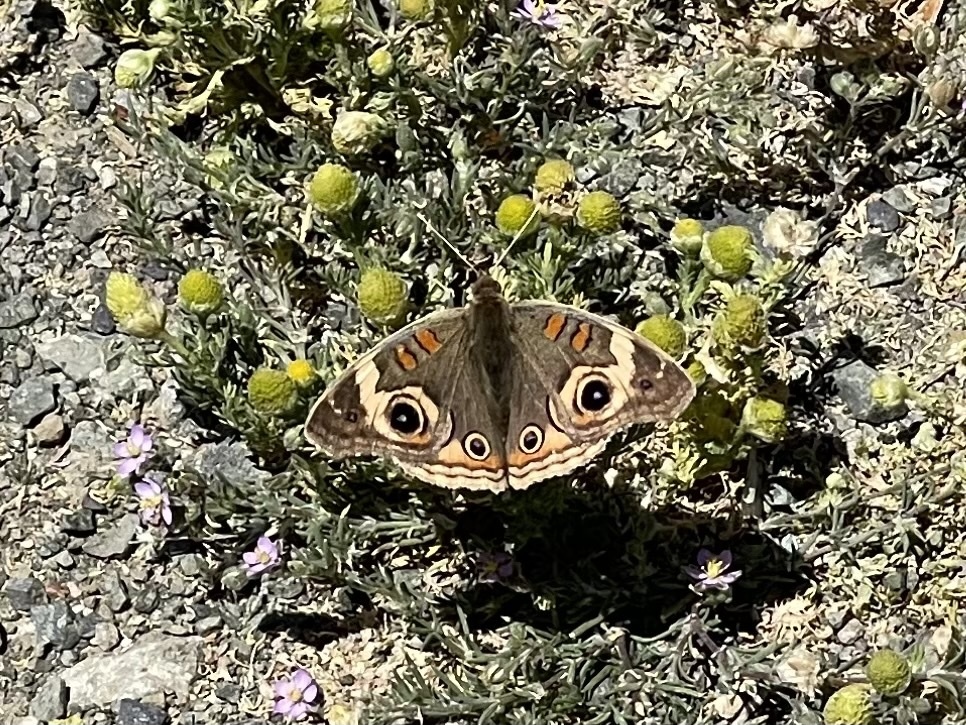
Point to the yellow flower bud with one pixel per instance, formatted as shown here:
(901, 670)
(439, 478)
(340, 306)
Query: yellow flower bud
(356, 132)
(889, 672)
(272, 392)
(741, 322)
(852, 705)
(888, 390)
(301, 372)
(381, 63)
(687, 236)
(417, 10)
(514, 212)
(382, 297)
(135, 66)
(200, 292)
(599, 212)
(727, 252)
(554, 176)
(333, 14)
(665, 332)
(765, 419)
(334, 190)
(137, 312)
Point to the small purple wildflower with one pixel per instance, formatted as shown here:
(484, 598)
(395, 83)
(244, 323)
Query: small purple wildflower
(712, 571)
(134, 451)
(155, 504)
(495, 567)
(539, 13)
(295, 695)
(264, 557)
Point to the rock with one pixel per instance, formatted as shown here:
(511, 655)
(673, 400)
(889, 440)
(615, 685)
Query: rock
(229, 692)
(623, 178)
(898, 198)
(70, 180)
(50, 700)
(40, 210)
(17, 311)
(133, 712)
(852, 630)
(155, 271)
(31, 400)
(54, 624)
(88, 50)
(63, 559)
(882, 266)
(50, 430)
(79, 523)
(25, 593)
(102, 321)
(77, 356)
(230, 461)
(147, 600)
(125, 380)
(47, 171)
(207, 625)
(115, 541)
(883, 216)
(106, 636)
(83, 93)
(27, 113)
(21, 158)
(941, 208)
(115, 591)
(854, 386)
(155, 663)
(89, 225)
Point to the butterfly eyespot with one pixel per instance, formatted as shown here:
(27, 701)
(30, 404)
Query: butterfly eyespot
(476, 446)
(405, 417)
(593, 394)
(351, 416)
(531, 438)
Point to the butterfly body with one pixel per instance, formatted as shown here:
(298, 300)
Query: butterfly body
(494, 396)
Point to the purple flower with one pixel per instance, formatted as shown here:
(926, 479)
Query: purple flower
(495, 567)
(712, 571)
(134, 451)
(295, 695)
(155, 504)
(539, 13)
(264, 557)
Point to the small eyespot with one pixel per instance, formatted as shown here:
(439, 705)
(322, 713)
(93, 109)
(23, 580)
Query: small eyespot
(531, 438)
(352, 416)
(476, 445)
(593, 394)
(405, 417)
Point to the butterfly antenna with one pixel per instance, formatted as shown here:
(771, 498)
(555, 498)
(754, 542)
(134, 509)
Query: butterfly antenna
(462, 257)
(516, 237)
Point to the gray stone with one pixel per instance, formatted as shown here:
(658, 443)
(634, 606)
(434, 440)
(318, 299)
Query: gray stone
(941, 208)
(64, 559)
(54, 624)
(147, 600)
(70, 180)
(83, 93)
(852, 630)
(124, 380)
(27, 113)
(623, 178)
(133, 712)
(854, 383)
(115, 541)
(89, 225)
(50, 430)
(115, 591)
(898, 198)
(50, 700)
(154, 664)
(883, 216)
(40, 210)
(229, 692)
(79, 523)
(102, 322)
(25, 593)
(207, 625)
(31, 400)
(106, 636)
(882, 266)
(21, 158)
(17, 311)
(88, 50)
(230, 461)
(77, 356)
(47, 171)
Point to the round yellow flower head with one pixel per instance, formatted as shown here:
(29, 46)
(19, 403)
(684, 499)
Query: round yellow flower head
(137, 312)
(200, 292)
(554, 176)
(665, 332)
(727, 252)
(513, 213)
(741, 322)
(134, 67)
(334, 190)
(852, 705)
(697, 372)
(889, 390)
(356, 132)
(272, 392)
(382, 297)
(889, 672)
(219, 158)
(381, 63)
(417, 10)
(333, 14)
(687, 236)
(765, 419)
(301, 372)
(599, 212)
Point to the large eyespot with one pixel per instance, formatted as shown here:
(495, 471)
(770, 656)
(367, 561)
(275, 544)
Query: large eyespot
(405, 416)
(476, 446)
(531, 438)
(594, 394)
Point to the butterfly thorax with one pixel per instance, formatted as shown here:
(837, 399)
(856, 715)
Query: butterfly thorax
(491, 343)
